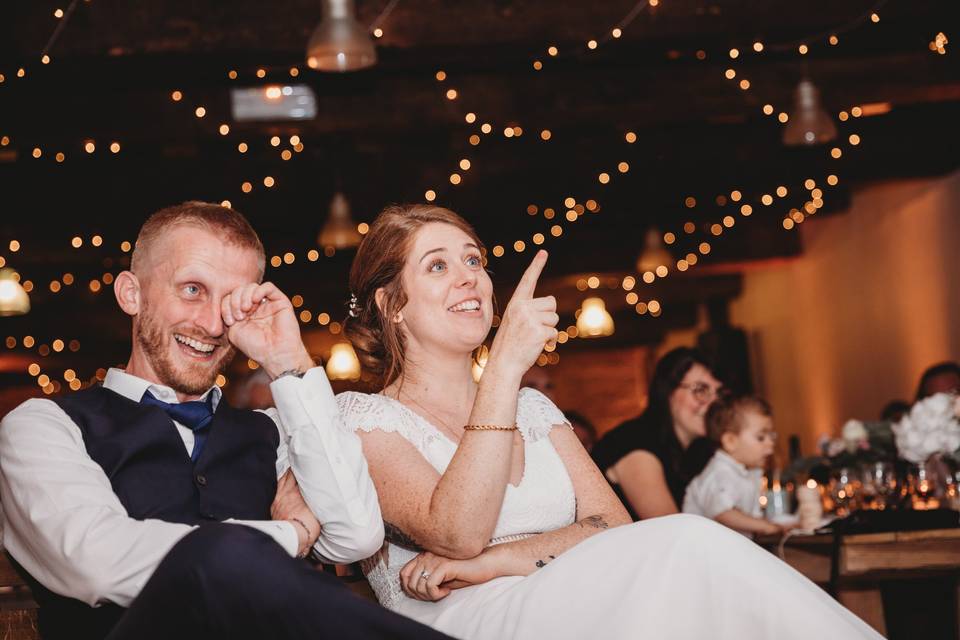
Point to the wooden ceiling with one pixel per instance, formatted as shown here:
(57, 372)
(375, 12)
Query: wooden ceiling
(387, 134)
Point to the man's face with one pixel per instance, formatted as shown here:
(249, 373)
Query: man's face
(179, 335)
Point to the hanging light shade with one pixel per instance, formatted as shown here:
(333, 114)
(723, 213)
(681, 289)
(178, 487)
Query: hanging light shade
(14, 300)
(654, 254)
(809, 123)
(340, 43)
(339, 231)
(594, 321)
(343, 363)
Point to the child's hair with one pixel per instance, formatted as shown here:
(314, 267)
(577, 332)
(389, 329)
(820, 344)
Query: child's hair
(724, 415)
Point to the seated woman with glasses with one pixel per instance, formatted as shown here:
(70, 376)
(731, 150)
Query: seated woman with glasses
(649, 460)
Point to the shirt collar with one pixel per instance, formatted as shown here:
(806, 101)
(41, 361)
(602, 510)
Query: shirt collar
(727, 460)
(132, 387)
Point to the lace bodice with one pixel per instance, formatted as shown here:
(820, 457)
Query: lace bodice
(543, 500)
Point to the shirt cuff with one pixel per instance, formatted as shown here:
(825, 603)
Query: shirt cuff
(283, 532)
(290, 403)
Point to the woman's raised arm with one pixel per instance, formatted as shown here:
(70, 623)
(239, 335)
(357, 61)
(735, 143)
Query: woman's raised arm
(455, 513)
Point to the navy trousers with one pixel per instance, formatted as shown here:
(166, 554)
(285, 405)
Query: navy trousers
(229, 581)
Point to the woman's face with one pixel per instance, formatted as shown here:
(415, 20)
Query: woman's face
(689, 403)
(449, 294)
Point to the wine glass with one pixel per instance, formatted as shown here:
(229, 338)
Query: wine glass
(879, 484)
(843, 489)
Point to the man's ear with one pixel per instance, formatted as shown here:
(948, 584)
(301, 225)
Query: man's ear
(126, 288)
(378, 297)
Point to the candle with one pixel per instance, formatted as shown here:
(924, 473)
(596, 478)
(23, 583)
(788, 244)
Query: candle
(811, 507)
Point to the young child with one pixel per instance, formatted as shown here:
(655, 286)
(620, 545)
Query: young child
(728, 489)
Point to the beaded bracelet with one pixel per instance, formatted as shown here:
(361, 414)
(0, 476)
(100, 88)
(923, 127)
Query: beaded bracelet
(488, 427)
(309, 535)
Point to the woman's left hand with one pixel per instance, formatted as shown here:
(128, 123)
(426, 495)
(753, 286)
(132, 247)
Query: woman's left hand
(430, 577)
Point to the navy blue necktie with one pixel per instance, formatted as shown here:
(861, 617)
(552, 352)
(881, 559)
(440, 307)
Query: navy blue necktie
(196, 415)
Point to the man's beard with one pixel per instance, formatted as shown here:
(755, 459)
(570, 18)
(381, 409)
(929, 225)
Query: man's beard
(190, 379)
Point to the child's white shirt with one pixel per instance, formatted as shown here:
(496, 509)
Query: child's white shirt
(724, 484)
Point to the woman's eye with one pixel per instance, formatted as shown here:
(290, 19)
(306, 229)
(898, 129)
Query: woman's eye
(438, 265)
(474, 261)
(191, 290)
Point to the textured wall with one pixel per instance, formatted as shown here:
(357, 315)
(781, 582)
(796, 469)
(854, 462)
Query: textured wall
(874, 300)
(607, 386)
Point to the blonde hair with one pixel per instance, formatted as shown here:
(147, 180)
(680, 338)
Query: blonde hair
(224, 222)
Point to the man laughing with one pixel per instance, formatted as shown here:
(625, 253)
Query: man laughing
(149, 508)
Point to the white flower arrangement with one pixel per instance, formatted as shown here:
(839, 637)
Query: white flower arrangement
(854, 435)
(930, 427)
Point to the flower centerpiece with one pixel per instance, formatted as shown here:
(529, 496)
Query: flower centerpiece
(929, 437)
(930, 428)
(859, 443)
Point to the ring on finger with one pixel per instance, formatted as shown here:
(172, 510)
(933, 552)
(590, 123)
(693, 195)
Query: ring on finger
(424, 575)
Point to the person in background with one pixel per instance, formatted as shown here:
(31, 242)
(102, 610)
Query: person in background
(586, 432)
(894, 410)
(649, 460)
(538, 378)
(728, 489)
(940, 378)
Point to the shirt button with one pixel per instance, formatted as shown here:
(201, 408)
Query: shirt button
(201, 479)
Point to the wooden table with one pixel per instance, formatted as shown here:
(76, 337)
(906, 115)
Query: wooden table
(864, 561)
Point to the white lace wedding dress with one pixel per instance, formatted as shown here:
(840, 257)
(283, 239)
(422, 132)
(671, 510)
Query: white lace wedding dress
(679, 576)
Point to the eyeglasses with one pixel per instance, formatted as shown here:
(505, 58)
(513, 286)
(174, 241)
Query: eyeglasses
(701, 390)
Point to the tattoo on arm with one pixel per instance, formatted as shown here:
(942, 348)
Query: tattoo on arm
(396, 536)
(597, 522)
(542, 563)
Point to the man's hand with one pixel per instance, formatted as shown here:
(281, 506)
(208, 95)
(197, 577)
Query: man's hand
(289, 505)
(261, 324)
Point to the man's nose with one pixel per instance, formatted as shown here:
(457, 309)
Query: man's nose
(209, 320)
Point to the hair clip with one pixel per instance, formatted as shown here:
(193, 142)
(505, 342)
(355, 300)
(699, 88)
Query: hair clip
(354, 306)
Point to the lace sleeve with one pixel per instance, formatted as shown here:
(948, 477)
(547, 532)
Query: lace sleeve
(374, 412)
(536, 414)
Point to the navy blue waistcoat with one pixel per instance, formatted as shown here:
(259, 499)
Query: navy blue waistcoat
(145, 459)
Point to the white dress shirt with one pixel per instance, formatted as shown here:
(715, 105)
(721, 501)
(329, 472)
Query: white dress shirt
(64, 524)
(724, 484)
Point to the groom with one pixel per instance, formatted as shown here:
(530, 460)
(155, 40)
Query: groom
(149, 508)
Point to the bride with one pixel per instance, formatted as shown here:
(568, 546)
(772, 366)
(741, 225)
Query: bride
(498, 523)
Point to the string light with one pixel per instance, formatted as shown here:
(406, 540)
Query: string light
(939, 43)
(629, 140)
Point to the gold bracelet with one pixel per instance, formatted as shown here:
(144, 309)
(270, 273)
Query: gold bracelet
(488, 427)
